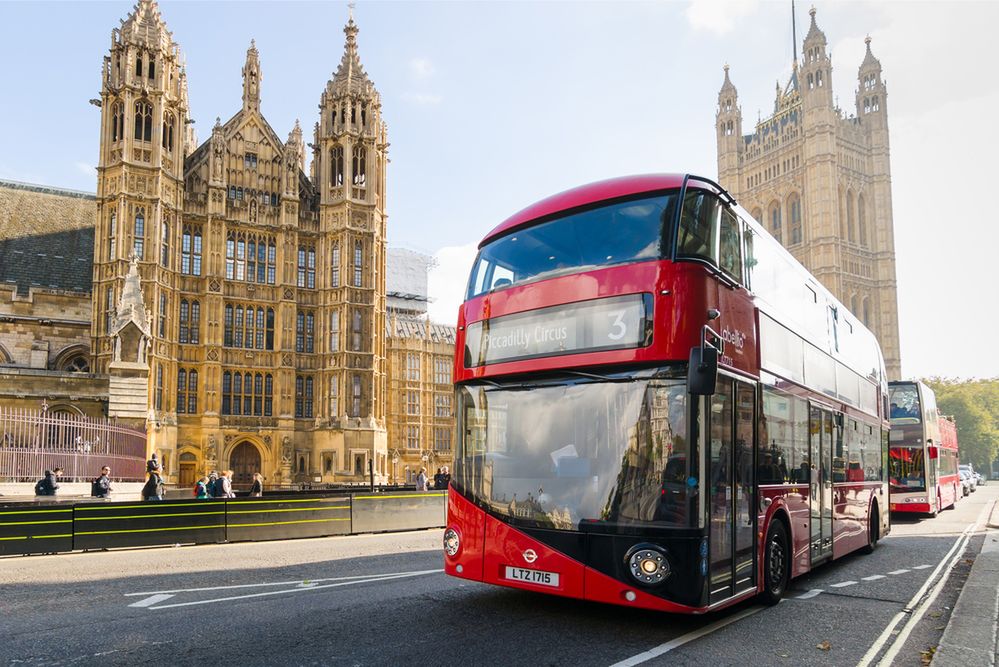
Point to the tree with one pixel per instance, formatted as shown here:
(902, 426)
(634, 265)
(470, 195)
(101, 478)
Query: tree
(974, 404)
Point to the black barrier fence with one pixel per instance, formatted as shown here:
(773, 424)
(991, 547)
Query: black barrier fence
(50, 527)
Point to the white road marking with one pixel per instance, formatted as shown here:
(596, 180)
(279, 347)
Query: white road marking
(687, 638)
(874, 577)
(296, 582)
(151, 600)
(917, 615)
(903, 571)
(809, 595)
(922, 567)
(843, 584)
(370, 579)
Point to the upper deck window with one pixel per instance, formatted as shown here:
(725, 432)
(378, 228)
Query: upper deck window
(630, 231)
(904, 399)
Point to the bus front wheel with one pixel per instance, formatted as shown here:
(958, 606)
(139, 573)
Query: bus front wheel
(776, 563)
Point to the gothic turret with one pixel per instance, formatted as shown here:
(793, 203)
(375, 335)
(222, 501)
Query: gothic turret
(728, 122)
(871, 93)
(816, 68)
(251, 79)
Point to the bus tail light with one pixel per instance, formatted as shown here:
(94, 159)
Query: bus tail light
(452, 542)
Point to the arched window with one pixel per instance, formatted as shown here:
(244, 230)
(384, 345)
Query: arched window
(335, 265)
(168, 123)
(875, 105)
(358, 263)
(117, 122)
(190, 251)
(775, 221)
(355, 403)
(152, 68)
(165, 244)
(307, 267)
(335, 331)
(143, 121)
(359, 168)
(139, 236)
(867, 312)
(78, 363)
(757, 214)
(356, 331)
(138, 65)
(861, 221)
(336, 166)
(794, 207)
(112, 236)
(226, 393)
(268, 395)
(851, 234)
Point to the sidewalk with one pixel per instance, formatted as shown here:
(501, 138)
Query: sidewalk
(970, 639)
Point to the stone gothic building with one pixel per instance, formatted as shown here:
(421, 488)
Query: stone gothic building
(820, 182)
(265, 285)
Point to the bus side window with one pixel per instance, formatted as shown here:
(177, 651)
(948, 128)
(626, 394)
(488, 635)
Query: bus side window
(730, 246)
(698, 226)
(747, 235)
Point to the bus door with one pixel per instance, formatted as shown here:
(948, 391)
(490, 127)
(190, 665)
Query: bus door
(820, 496)
(731, 519)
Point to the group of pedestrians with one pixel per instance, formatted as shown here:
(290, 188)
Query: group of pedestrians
(100, 486)
(441, 479)
(219, 485)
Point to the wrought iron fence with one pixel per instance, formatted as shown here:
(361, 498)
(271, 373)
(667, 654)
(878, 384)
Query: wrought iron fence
(33, 441)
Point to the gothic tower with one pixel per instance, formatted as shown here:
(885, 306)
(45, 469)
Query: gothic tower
(140, 186)
(819, 180)
(349, 163)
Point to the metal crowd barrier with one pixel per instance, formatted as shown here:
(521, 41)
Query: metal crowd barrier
(49, 527)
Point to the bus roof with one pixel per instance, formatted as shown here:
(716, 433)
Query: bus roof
(589, 194)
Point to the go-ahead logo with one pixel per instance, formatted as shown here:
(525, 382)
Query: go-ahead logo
(530, 556)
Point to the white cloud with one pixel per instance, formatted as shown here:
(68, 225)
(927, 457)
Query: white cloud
(447, 281)
(718, 16)
(85, 169)
(423, 99)
(421, 68)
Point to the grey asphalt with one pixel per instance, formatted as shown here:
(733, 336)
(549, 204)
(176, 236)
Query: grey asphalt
(381, 600)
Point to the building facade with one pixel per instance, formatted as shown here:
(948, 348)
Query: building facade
(820, 181)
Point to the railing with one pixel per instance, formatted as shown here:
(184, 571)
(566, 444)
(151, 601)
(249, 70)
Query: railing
(33, 441)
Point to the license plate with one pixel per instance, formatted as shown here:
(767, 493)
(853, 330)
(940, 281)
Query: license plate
(532, 576)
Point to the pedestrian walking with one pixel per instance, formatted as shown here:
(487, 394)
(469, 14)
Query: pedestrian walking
(152, 465)
(153, 490)
(101, 487)
(439, 478)
(48, 485)
(213, 488)
(201, 489)
(421, 480)
(225, 482)
(257, 490)
(446, 478)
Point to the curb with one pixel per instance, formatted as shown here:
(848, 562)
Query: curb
(970, 637)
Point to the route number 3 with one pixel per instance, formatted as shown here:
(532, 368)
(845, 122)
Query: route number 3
(618, 328)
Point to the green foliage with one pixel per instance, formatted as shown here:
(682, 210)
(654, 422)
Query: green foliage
(974, 404)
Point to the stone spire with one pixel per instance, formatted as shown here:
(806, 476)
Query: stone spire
(251, 79)
(350, 75)
(870, 62)
(131, 305)
(813, 30)
(145, 25)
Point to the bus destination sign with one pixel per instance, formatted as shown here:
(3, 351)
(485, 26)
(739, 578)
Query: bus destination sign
(613, 323)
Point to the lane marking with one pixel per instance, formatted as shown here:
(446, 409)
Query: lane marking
(842, 584)
(687, 638)
(294, 582)
(292, 590)
(809, 595)
(903, 571)
(922, 567)
(150, 601)
(889, 631)
(875, 577)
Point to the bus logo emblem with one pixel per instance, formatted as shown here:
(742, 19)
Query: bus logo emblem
(530, 556)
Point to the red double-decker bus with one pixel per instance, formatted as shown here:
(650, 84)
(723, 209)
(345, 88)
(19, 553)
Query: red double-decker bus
(657, 406)
(923, 457)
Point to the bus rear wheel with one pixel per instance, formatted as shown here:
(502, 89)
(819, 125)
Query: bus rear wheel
(776, 564)
(873, 530)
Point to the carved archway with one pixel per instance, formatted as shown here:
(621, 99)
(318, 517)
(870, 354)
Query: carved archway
(244, 460)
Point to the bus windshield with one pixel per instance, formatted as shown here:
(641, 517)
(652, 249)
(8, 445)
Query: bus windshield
(906, 469)
(904, 404)
(630, 231)
(574, 454)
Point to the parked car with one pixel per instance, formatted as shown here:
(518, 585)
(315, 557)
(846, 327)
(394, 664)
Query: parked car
(965, 482)
(970, 471)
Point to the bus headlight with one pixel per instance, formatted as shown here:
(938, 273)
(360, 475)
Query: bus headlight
(452, 542)
(648, 564)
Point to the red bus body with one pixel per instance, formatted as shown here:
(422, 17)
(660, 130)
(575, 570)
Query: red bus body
(923, 455)
(795, 433)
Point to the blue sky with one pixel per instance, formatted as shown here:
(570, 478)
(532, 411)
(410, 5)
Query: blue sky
(492, 105)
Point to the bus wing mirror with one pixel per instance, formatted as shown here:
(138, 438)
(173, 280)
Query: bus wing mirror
(702, 373)
(934, 452)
